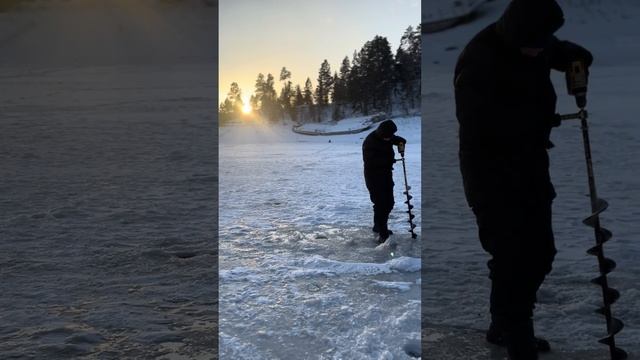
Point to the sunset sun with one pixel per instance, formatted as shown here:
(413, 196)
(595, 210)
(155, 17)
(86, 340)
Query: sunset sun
(246, 109)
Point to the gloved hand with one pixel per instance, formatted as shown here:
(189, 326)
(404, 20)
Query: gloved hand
(401, 148)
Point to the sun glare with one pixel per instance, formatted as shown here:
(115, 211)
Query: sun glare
(246, 108)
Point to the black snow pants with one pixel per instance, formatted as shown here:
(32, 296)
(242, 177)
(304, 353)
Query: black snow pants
(520, 240)
(380, 186)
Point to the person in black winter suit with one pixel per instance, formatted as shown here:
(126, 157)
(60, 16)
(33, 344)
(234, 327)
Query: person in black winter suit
(378, 156)
(505, 105)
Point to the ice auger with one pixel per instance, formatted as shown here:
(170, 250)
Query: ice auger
(412, 226)
(576, 78)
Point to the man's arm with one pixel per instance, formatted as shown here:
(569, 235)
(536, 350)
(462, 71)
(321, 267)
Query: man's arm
(563, 53)
(396, 140)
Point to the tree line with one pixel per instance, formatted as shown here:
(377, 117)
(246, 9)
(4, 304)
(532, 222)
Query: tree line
(372, 80)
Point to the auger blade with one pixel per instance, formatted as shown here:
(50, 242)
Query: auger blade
(410, 206)
(619, 354)
(407, 202)
(607, 266)
(413, 226)
(605, 235)
(610, 297)
(408, 187)
(616, 327)
(596, 250)
(599, 280)
(414, 235)
(411, 217)
(409, 197)
(601, 205)
(591, 220)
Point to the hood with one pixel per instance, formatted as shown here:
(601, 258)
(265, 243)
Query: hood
(386, 129)
(530, 23)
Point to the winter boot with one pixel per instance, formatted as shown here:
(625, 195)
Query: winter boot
(383, 236)
(521, 344)
(496, 336)
(376, 229)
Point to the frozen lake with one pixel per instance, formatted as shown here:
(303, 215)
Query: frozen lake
(108, 155)
(300, 273)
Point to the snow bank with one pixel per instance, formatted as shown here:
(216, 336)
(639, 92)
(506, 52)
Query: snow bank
(341, 127)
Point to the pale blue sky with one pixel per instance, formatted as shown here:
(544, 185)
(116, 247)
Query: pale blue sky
(265, 35)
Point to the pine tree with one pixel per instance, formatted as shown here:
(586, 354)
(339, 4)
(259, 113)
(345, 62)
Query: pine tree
(270, 106)
(258, 94)
(323, 88)
(225, 112)
(355, 90)
(408, 65)
(377, 73)
(308, 92)
(235, 98)
(336, 88)
(253, 101)
(341, 81)
(286, 93)
(299, 98)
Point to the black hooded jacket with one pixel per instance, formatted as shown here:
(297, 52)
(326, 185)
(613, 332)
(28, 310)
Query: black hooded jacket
(377, 153)
(505, 104)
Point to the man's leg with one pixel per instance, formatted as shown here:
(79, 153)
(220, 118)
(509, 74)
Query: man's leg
(385, 205)
(372, 187)
(380, 188)
(520, 241)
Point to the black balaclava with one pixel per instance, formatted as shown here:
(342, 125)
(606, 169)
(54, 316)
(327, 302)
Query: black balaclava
(530, 23)
(386, 129)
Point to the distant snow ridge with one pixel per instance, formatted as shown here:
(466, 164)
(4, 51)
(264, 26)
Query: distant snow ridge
(343, 127)
(443, 14)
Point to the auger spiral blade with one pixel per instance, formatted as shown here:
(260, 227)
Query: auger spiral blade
(600, 280)
(605, 235)
(607, 266)
(412, 226)
(596, 250)
(616, 326)
(602, 235)
(619, 354)
(601, 205)
(611, 296)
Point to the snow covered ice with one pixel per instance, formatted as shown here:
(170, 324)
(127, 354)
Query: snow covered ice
(300, 273)
(456, 287)
(108, 158)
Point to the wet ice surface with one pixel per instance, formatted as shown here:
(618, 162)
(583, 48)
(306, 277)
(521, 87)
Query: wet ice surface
(300, 273)
(456, 287)
(108, 180)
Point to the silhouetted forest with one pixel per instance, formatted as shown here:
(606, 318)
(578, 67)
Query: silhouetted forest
(372, 80)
